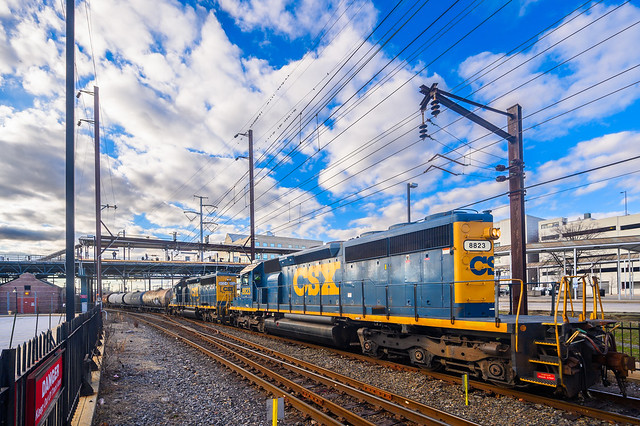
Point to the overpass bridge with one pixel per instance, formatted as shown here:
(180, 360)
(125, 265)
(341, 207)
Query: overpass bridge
(114, 269)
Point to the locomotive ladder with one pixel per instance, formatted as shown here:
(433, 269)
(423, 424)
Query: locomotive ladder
(548, 364)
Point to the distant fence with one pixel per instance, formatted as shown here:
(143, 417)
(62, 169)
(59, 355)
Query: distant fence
(42, 379)
(628, 338)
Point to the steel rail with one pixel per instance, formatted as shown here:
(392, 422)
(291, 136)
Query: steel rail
(369, 397)
(405, 405)
(297, 403)
(629, 401)
(558, 404)
(396, 404)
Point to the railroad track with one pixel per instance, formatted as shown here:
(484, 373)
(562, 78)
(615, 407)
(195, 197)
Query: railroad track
(327, 397)
(572, 407)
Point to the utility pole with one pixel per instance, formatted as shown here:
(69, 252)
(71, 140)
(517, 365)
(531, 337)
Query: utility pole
(96, 138)
(201, 229)
(252, 238)
(202, 222)
(625, 202)
(513, 136)
(70, 163)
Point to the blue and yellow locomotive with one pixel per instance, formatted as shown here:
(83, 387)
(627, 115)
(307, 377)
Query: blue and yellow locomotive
(426, 291)
(205, 297)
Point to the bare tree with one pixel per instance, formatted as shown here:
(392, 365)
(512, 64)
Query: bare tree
(575, 231)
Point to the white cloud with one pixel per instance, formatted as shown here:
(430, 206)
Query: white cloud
(291, 18)
(174, 90)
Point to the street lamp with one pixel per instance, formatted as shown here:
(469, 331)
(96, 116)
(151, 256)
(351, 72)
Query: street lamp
(409, 186)
(249, 135)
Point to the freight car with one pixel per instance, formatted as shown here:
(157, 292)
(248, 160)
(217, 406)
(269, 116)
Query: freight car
(425, 291)
(156, 300)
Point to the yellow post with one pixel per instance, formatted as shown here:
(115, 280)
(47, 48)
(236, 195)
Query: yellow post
(465, 383)
(274, 412)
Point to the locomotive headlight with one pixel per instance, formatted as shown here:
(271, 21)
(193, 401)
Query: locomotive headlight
(491, 233)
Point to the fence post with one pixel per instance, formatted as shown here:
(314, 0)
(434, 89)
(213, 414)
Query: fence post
(8, 380)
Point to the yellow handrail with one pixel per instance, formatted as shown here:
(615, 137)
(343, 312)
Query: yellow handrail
(595, 288)
(519, 302)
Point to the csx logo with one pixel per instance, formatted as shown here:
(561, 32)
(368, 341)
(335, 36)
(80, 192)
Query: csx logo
(226, 288)
(310, 279)
(481, 265)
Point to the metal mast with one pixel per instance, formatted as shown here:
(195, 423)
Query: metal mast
(96, 138)
(69, 163)
(436, 97)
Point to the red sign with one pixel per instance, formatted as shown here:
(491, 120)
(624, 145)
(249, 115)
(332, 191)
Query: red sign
(43, 388)
(546, 376)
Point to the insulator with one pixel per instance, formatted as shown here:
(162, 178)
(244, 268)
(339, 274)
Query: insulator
(423, 131)
(501, 168)
(501, 178)
(435, 108)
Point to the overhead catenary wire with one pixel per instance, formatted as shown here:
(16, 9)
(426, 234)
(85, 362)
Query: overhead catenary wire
(485, 21)
(404, 83)
(495, 196)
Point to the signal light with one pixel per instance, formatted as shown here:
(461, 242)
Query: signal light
(423, 131)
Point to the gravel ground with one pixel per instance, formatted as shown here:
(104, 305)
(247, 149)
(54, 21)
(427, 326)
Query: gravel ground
(151, 379)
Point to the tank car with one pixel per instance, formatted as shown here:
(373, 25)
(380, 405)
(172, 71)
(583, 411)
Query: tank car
(425, 291)
(157, 298)
(133, 299)
(116, 299)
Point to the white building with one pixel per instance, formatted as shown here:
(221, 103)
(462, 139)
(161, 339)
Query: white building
(606, 248)
(502, 262)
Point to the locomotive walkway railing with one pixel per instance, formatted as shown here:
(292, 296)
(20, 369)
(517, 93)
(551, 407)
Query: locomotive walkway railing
(42, 379)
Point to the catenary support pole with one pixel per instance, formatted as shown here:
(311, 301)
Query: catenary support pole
(98, 246)
(252, 199)
(69, 164)
(516, 205)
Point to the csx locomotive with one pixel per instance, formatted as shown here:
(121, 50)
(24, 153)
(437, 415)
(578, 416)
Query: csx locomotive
(422, 290)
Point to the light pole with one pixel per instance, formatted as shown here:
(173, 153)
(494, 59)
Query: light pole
(249, 135)
(409, 186)
(625, 202)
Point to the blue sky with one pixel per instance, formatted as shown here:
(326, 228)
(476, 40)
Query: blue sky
(330, 89)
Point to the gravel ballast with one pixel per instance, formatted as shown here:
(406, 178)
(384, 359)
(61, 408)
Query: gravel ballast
(151, 378)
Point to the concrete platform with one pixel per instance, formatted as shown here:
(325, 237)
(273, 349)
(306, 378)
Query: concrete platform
(26, 327)
(610, 303)
(87, 404)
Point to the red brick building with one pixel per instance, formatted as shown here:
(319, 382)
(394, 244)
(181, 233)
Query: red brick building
(31, 295)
